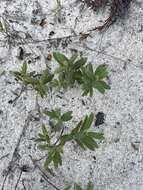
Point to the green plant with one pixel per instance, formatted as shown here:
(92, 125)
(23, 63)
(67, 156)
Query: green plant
(75, 70)
(69, 70)
(89, 186)
(80, 134)
(54, 150)
(94, 79)
(57, 119)
(35, 80)
(3, 25)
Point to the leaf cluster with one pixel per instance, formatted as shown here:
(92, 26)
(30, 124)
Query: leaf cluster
(80, 134)
(37, 81)
(54, 151)
(94, 79)
(77, 70)
(71, 71)
(57, 119)
(89, 186)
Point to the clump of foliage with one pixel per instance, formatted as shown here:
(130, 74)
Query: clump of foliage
(81, 134)
(54, 150)
(57, 119)
(90, 186)
(94, 79)
(71, 71)
(37, 81)
(77, 70)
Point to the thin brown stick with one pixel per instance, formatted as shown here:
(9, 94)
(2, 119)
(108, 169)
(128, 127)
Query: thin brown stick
(2, 188)
(43, 174)
(18, 180)
(13, 159)
(23, 184)
(4, 156)
(18, 96)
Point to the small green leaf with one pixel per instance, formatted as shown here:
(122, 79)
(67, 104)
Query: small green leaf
(57, 159)
(67, 116)
(58, 126)
(18, 75)
(42, 89)
(101, 72)
(24, 68)
(77, 187)
(65, 138)
(90, 186)
(54, 114)
(89, 143)
(101, 86)
(90, 67)
(87, 74)
(46, 77)
(95, 135)
(80, 143)
(86, 91)
(1, 27)
(73, 58)
(67, 187)
(48, 160)
(105, 85)
(79, 63)
(29, 80)
(87, 122)
(76, 129)
(39, 140)
(41, 135)
(60, 58)
(45, 132)
(43, 146)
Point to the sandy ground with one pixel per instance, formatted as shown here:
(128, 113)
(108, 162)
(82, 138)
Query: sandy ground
(118, 163)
